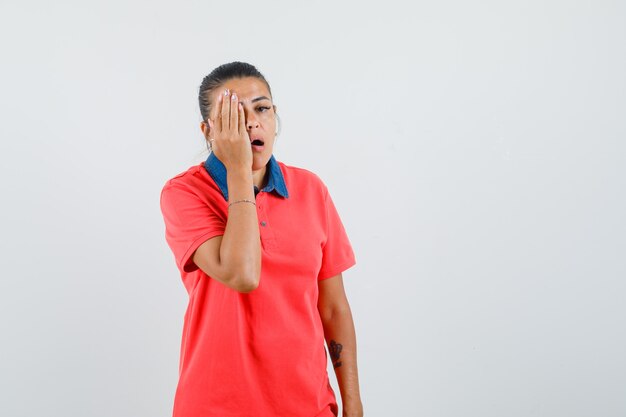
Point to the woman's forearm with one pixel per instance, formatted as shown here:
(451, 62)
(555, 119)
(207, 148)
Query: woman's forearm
(341, 339)
(240, 250)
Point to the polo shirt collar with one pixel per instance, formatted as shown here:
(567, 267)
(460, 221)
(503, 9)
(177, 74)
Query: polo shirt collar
(275, 179)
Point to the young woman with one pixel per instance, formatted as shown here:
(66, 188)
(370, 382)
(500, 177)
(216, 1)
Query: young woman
(261, 250)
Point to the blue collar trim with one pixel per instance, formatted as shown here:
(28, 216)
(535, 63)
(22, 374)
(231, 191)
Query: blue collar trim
(275, 179)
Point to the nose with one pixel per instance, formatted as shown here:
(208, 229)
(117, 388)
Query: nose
(251, 122)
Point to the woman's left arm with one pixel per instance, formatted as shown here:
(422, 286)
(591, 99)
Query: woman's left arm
(341, 340)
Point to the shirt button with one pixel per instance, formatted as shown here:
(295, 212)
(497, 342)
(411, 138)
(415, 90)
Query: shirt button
(263, 224)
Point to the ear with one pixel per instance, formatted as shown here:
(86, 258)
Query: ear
(204, 127)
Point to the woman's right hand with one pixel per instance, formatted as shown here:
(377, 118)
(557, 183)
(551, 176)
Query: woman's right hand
(228, 135)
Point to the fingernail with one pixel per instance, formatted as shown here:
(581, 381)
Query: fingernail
(226, 92)
(234, 97)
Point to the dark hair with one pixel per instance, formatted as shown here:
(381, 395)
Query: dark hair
(219, 76)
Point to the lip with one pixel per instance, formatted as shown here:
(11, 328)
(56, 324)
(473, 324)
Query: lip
(257, 148)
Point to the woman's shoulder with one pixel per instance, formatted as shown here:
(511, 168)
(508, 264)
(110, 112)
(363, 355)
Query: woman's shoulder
(189, 176)
(194, 180)
(300, 177)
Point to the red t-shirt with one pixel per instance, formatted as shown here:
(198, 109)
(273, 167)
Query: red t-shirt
(262, 353)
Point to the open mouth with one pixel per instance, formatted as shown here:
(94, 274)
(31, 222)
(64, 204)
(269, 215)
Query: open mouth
(257, 145)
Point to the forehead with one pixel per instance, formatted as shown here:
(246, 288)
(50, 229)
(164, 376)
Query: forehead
(246, 88)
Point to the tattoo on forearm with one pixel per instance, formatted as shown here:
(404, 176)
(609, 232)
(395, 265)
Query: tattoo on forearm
(335, 352)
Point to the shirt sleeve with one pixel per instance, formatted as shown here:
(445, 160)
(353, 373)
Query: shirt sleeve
(337, 253)
(189, 222)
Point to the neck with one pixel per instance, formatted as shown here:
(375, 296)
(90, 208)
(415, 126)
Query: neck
(258, 177)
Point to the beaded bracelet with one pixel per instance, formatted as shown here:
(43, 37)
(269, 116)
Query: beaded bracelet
(242, 201)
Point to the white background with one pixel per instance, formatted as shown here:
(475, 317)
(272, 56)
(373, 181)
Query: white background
(475, 152)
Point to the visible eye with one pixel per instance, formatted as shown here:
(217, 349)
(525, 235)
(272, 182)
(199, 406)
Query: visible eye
(263, 108)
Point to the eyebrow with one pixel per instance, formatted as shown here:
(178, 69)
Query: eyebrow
(258, 99)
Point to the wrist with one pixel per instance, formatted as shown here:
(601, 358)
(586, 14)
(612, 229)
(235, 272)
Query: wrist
(240, 185)
(239, 176)
(239, 170)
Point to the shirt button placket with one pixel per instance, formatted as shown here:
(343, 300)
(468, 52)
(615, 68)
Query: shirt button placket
(267, 236)
(261, 213)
